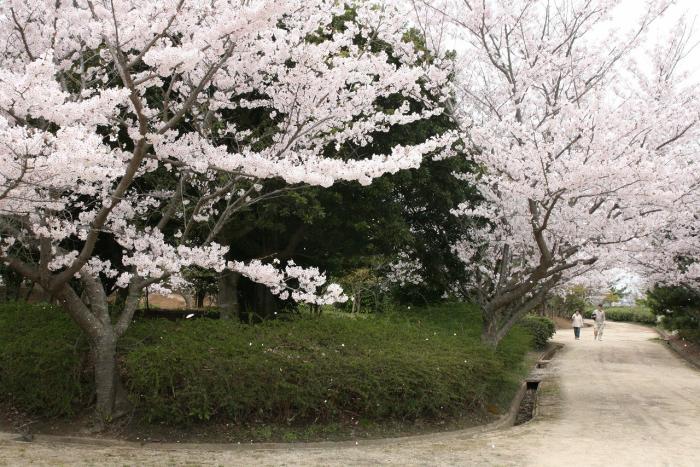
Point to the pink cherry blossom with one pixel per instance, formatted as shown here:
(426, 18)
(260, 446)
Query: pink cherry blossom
(588, 162)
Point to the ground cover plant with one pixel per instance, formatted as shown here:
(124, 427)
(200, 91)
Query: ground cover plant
(407, 365)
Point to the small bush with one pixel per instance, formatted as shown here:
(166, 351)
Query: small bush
(634, 314)
(540, 328)
(416, 364)
(402, 367)
(678, 308)
(42, 358)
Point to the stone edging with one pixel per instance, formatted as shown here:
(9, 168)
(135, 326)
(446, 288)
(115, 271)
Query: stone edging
(544, 360)
(549, 353)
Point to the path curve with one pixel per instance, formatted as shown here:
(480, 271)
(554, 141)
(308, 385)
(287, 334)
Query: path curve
(627, 400)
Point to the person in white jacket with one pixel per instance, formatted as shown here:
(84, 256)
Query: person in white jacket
(577, 323)
(599, 317)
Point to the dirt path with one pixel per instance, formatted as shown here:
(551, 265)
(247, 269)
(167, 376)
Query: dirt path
(624, 401)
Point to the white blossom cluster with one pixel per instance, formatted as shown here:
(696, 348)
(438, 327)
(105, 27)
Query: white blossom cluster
(306, 285)
(404, 271)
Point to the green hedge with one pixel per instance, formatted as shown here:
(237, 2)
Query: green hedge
(419, 364)
(42, 360)
(325, 370)
(635, 314)
(677, 308)
(540, 328)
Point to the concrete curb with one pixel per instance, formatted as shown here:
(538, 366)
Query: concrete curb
(543, 362)
(553, 349)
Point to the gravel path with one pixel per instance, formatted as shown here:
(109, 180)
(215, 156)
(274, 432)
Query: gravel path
(624, 401)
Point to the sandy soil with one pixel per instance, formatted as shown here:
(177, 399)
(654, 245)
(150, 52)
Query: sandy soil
(627, 400)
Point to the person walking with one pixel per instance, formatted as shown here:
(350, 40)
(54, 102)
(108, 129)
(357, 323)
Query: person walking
(599, 317)
(577, 323)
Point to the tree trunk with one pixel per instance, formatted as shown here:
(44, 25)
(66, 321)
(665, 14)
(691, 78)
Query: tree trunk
(265, 304)
(30, 289)
(92, 315)
(111, 395)
(95, 320)
(498, 320)
(229, 305)
(491, 329)
(44, 295)
(199, 298)
(188, 300)
(356, 298)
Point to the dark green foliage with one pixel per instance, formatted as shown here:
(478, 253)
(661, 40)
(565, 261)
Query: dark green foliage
(402, 365)
(576, 298)
(540, 328)
(42, 360)
(634, 314)
(679, 308)
(328, 369)
(350, 227)
(11, 284)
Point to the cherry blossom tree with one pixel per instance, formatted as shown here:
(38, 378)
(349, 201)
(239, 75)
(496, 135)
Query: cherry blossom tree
(587, 152)
(119, 123)
(674, 259)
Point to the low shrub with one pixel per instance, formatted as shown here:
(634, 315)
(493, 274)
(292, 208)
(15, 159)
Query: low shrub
(678, 308)
(634, 314)
(325, 369)
(42, 360)
(409, 365)
(540, 328)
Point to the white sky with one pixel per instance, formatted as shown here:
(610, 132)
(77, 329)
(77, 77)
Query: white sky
(629, 10)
